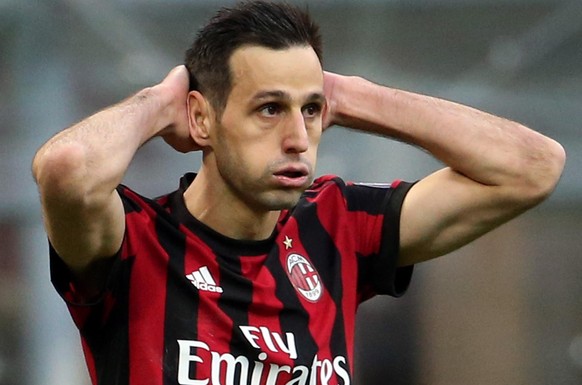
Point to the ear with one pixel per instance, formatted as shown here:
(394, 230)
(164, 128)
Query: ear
(199, 118)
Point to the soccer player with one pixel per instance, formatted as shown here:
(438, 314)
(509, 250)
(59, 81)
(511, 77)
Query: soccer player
(251, 271)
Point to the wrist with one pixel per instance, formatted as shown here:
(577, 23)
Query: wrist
(348, 92)
(156, 105)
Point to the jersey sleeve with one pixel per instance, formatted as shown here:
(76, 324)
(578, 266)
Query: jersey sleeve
(376, 211)
(84, 310)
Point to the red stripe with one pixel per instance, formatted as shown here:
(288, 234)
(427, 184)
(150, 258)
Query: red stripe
(319, 321)
(146, 306)
(265, 310)
(90, 360)
(355, 232)
(212, 321)
(369, 229)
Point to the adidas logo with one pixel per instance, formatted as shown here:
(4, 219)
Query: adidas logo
(202, 280)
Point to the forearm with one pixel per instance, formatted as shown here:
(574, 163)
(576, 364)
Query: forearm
(488, 149)
(77, 172)
(94, 154)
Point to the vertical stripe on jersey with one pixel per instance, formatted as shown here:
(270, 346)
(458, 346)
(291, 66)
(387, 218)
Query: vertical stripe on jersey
(110, 355)
(294, 318)
(265, 308)
(327, 260)
(385, 276)
(177, 313)
(235, 302)
(231, 310)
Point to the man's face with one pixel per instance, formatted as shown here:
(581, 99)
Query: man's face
(265, 144)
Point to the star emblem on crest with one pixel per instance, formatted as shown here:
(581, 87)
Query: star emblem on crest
(288, 243)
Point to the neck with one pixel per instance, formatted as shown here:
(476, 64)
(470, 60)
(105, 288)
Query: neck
(211, 205)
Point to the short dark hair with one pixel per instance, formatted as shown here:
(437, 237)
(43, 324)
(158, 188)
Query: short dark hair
(255, 23)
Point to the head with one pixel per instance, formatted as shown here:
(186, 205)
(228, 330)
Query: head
(250, 23)
(256, 103)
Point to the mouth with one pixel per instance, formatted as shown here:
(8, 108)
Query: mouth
(292, 175)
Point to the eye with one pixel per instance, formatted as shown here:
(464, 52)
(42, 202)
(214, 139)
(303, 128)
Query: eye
(311, 110)
(270, 109)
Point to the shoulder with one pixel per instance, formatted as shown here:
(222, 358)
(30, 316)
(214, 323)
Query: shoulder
(328, 184)
(136, 204)
(327, 181)
(325, 188)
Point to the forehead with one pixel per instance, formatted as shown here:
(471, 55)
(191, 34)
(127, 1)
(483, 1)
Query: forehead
(296, 71)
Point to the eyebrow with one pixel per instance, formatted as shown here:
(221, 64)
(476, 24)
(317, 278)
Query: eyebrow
(282, 95)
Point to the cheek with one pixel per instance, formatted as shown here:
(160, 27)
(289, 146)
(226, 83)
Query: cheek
(314, 139)
(244, 159)
(311, 153)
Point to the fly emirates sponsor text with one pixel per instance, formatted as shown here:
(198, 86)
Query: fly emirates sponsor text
(227, 369)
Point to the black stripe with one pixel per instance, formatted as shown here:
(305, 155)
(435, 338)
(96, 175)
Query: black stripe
(294, 318)
(327, 261)
(129, 204)
(365, 198)
(237, 293)
(235, 302)
(387, 278)
(180, 319)
(109, 343)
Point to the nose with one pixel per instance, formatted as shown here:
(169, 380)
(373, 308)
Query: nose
(295, 138)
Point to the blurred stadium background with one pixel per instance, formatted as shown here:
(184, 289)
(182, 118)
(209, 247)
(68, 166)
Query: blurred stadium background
(504, 310)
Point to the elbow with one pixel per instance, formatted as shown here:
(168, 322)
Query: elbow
(59, 171)
(543, 171)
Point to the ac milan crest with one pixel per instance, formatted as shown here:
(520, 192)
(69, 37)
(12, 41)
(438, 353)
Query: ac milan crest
(304, 277)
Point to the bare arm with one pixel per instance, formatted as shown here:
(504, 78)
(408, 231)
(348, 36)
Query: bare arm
(78, 170)
(496, 170)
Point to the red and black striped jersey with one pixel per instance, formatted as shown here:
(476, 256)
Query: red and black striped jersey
(187, 305)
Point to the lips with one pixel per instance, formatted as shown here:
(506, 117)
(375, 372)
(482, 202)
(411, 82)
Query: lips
(293, 175)
(292, 171)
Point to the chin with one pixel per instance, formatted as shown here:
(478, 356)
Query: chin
(282, 201)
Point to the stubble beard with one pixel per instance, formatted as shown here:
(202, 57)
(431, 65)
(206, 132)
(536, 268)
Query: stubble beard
(259, 193)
